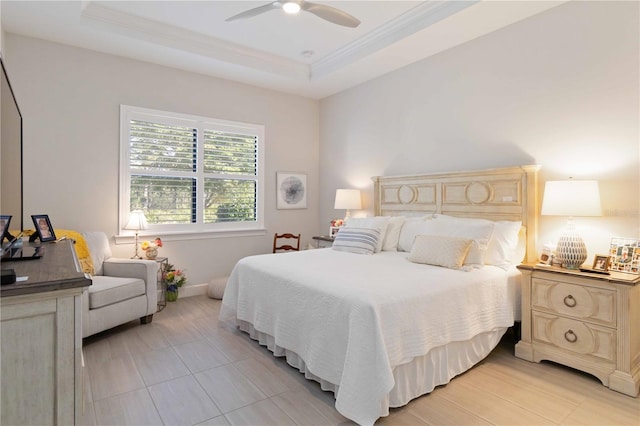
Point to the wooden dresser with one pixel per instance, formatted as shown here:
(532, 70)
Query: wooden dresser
(587, 321)
(42, 339)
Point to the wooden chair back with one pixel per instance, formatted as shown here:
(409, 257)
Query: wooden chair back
(290, 242)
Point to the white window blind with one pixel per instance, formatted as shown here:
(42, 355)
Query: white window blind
(190, 173)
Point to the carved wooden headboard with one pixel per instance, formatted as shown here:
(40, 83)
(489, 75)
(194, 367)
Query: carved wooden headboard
(509, 193)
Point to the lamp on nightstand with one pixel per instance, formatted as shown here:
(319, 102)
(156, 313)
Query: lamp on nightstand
(571, 198)
(137, 222)
(347, 199)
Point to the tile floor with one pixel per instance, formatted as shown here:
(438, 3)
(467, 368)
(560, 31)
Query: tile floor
(183, 369)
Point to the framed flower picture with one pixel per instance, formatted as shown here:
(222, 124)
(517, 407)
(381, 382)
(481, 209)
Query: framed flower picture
(291, 190)
(625, 255)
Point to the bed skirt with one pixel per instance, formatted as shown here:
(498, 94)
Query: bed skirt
(413, 379)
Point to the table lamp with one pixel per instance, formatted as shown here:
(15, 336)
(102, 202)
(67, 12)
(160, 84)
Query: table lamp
(347, 199)
(571, 198)
(137, 221)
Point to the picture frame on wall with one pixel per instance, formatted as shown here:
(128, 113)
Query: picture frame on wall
(44, 230)
(625, 255)
(291, 190)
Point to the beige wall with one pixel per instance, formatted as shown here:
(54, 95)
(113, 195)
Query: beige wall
(559, 89)
(1, 32)
(70, 100)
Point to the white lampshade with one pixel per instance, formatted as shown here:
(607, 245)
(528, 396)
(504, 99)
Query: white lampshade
(571, 198)
(137, 221)
(347, 199)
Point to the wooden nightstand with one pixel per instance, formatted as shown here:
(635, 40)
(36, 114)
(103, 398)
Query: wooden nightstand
(323, 241)
(587, 321)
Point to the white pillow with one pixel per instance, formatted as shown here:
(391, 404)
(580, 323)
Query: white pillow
(378, 222)
(449, 252)
(410, 229)
(503, 243)
(356, 240)
(392, 236)
(478, 230)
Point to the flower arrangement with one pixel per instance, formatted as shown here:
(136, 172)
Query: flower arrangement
(337, 223)
(173, 279)
(151, 248)
(150, 245)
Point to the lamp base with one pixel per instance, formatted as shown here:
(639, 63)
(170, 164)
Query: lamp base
(571, 251)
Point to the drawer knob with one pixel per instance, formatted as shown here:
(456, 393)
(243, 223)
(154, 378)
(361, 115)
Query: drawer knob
(569, 301)
(570, 336)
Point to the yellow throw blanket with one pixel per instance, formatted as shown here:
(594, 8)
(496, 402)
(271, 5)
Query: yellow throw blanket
(80, 246)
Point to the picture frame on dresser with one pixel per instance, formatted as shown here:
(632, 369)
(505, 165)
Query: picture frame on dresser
(44, 230)
(5, 220)
(601, 262)
(625, 255)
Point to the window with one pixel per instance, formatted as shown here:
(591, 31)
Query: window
(189, 173)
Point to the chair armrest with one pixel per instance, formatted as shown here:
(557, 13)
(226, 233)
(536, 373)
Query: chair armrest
(146, 270)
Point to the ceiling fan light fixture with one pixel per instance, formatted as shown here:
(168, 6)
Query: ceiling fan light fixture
(291, 7)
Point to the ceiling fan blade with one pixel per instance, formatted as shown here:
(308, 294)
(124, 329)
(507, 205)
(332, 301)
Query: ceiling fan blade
(331, 14)
(255, 11)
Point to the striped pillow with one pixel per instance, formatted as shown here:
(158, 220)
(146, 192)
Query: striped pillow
(356, 240)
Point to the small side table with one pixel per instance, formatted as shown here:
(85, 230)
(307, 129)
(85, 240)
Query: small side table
(163, 264)
(323, 241)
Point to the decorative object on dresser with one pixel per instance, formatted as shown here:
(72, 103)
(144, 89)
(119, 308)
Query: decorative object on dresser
(583, 320)
(5, 220)
(601, 262)
(137, 222)
(44, 230)
(347, 199)
(571, 198)
(291, 190)
(625, 255)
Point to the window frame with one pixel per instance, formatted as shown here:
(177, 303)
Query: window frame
(198, 229)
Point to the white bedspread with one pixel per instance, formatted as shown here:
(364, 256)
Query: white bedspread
(353, 318)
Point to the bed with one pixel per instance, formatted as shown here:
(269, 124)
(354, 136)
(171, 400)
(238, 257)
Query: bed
(380, 330)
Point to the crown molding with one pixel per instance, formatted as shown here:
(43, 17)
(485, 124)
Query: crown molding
(179, 38)
(410, 22)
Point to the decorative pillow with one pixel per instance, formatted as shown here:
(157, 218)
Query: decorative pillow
(392, 236)
(478, 230)
(411, 228)
(378, 222)
(356, 240)
(449, 252)
(503, 243)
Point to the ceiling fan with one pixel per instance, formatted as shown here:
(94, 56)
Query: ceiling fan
(323, 11)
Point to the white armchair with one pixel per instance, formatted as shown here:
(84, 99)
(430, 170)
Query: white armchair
(122, 290)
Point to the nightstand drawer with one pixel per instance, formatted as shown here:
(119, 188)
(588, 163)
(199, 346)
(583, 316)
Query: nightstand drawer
(575, 336)
(577, 301)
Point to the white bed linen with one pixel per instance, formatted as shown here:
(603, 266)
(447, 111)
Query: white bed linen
(353, 318)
